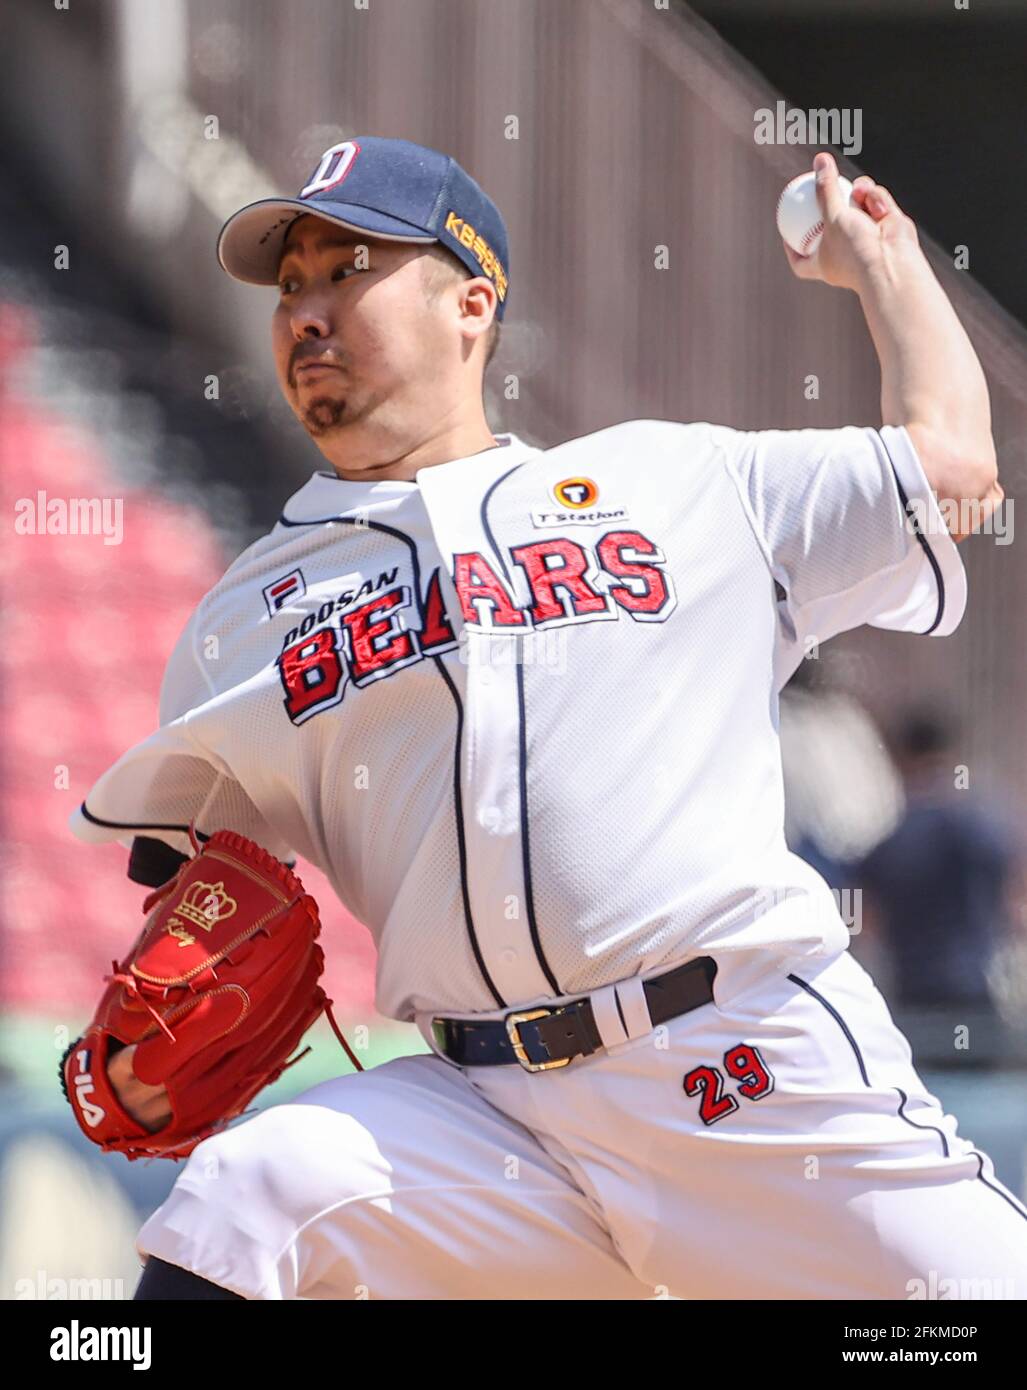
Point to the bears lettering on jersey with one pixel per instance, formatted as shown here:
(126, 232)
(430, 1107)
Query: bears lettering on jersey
(358, 644)
(561, 588)
(437, 633)
(312, 674)
(569, 582)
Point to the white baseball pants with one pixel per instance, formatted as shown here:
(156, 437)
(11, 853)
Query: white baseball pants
(777, 1143)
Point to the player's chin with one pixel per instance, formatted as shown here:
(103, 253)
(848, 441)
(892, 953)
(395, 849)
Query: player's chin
(323, 413)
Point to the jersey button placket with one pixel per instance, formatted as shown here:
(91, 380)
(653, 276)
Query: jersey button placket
(495, 859)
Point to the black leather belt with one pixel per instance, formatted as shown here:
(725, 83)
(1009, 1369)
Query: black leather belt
(543, 1038)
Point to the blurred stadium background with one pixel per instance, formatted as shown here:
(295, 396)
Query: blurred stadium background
(604, 129)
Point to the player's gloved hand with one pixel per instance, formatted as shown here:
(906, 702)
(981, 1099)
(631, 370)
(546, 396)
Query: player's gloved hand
(855, 239)
(148, 1105)
(207, 1007)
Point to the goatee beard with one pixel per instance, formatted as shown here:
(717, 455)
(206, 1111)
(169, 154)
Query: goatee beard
(323, 414)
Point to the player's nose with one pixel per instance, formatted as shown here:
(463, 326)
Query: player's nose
(310, 319)
(310, 323)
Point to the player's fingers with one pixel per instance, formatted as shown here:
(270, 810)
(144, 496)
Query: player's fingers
(861, 188)
(146, 1104)
(802, 266)
(829, 195)
(880, 202)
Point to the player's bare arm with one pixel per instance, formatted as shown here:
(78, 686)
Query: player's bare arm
(931, 379)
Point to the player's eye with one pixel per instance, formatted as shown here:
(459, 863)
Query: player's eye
(289, 285)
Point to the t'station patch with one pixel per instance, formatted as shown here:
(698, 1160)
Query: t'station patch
(577, 500)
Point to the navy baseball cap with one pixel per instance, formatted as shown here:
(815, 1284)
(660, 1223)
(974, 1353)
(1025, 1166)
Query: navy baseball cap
(390, 189)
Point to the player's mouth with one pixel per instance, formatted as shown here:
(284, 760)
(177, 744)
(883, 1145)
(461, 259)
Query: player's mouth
(312, 371)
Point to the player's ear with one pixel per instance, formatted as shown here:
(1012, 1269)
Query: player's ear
(479, 302)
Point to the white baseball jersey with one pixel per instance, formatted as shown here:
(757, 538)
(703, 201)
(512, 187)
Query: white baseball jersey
(522, 711)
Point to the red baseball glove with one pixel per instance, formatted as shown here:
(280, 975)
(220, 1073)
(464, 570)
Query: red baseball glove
(217, 992)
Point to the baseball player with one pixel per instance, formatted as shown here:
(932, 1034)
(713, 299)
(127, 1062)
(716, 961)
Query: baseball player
(520, 705)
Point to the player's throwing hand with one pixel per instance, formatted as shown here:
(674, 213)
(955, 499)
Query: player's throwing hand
(856, 238)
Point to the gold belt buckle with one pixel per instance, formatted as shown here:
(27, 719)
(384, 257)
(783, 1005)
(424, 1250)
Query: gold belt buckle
(513, 1023)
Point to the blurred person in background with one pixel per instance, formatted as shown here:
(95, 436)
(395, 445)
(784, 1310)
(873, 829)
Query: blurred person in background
(938, 886)
(843, 793)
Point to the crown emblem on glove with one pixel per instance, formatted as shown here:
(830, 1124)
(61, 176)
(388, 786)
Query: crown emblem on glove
(206, 904)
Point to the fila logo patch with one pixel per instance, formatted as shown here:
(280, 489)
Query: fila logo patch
(283, 591)
(84, 1088)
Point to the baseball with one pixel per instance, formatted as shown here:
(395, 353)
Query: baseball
(798, 213)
